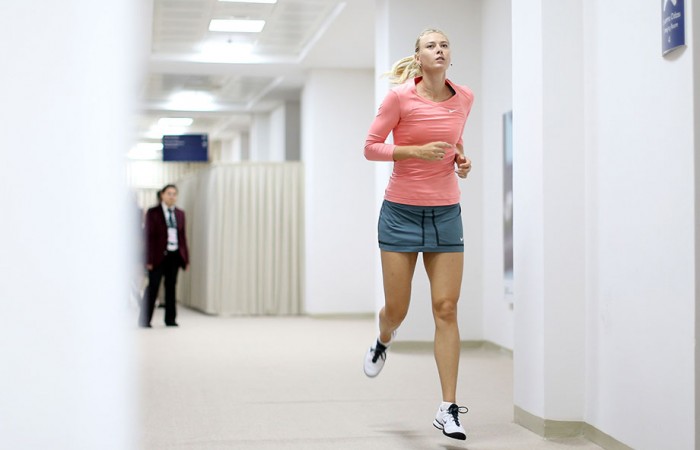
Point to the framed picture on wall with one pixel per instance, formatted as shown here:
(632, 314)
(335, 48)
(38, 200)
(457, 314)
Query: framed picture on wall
(508, 205)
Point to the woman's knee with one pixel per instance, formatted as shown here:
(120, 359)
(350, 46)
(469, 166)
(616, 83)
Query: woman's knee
(394, 316)
(445, 309)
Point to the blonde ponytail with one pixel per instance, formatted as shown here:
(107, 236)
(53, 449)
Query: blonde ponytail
(404, 69)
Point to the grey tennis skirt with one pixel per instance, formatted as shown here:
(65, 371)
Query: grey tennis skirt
(408, 228)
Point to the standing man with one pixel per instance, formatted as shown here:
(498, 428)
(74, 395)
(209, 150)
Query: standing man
(166, 253)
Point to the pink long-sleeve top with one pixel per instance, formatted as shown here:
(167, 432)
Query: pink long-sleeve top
(414, 120)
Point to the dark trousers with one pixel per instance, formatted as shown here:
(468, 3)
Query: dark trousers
(167, 270)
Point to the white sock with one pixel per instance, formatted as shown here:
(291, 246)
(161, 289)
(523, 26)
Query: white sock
(385, 344)
(445, 405)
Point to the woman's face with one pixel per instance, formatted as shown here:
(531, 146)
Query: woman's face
(434, 52)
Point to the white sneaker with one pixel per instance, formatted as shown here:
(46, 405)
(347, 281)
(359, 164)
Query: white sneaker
(447, 420)
(376, 356)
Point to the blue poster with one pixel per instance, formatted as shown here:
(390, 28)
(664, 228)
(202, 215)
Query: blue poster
(672, 25)
(186, 147)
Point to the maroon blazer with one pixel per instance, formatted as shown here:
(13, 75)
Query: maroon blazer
(156, 236)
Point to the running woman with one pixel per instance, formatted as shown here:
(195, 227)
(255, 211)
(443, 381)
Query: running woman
(426, 114)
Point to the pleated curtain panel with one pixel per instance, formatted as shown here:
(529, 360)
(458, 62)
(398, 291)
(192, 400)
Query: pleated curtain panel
(245, 230)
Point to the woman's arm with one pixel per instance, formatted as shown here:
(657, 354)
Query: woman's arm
(433, 151)
(388, 115)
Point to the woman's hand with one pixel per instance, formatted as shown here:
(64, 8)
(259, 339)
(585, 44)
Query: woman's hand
(434, 151)
(464, 164)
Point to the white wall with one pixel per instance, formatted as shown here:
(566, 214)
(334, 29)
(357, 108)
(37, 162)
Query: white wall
(399, 22)
(227, 150)
(640, 227)
(604, 158)
(156, 174)
(340, 211)
(497, 99)
(67, 229)
(694, 42)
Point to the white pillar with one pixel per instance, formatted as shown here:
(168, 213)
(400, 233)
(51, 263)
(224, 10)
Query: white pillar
(260, 138)
(275, 136)
(67, 89)
(340, 214)
(292, 130)
(549, 205)
(242, 145)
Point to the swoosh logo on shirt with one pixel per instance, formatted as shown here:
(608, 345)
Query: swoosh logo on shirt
(451, 110)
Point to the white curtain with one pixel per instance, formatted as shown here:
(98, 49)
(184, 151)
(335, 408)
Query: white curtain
(245, 234)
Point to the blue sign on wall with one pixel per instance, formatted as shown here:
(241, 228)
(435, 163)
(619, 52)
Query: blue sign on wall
(672, 25)
(186, 147)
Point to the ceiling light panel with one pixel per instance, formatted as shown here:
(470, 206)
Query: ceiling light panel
(175, 121)
(237, 25)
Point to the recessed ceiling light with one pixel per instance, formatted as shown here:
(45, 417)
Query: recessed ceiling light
(191, 101)
(250, 1)
(175, 121)
(236, 25)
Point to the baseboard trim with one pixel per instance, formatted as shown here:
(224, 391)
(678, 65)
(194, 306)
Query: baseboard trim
(427, 346)
(342, 316)
(604, 440)
(551, 429)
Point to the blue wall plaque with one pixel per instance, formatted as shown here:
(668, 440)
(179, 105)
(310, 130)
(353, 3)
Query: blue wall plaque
(672, 25)
(186, 147)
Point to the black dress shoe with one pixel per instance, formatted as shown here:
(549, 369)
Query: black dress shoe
(173, 324)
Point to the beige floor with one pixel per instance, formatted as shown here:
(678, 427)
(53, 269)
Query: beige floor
(297, 383)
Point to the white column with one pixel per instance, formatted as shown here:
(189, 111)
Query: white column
(68, 87)
(399, 22)
(340, 213)
(260, 137)
(275, 136)
(292, 130)
(242, 145)
(549, 204)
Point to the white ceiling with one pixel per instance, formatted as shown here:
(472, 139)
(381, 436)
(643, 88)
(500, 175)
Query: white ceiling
(230, 86)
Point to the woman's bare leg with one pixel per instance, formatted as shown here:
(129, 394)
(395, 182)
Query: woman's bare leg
(445, 274)
(397, 272)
